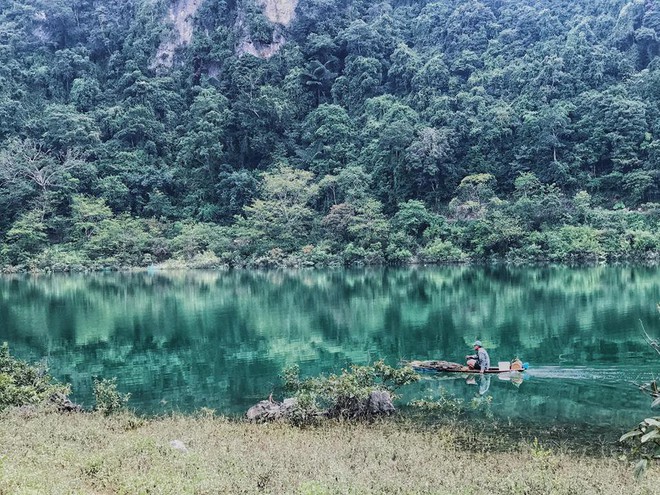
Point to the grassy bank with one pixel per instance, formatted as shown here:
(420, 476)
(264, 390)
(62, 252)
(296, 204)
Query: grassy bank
(88, 453)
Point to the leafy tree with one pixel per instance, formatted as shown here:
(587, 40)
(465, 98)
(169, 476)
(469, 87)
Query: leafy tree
(362, 79)
(319, 77)
(414, 219)
(429, 162)
(122, 240)
(404, 67)
(576, 243)
(369, 227)
(361, 39)
(472, 194)
(234, 190)
(611, 129)
(194, 239)
(25, 238)
(537, 203)
(545, 137)
(87, 213)
(282, 218)
(329, 135)
(67, 130)
(337, 221)
(202, 149)
(85, 94)
(28, 166)
(495, 234)
(469, 27)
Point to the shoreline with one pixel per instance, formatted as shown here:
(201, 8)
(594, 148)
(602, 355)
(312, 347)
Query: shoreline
(171, 268)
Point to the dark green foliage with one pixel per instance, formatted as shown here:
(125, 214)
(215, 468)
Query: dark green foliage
(22, 383)
(108, 399)
(25, 238)
(430, 131)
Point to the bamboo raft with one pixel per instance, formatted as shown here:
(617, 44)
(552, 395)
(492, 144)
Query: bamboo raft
(449, 367)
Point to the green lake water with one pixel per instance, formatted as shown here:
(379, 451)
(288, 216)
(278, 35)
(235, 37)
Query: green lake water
(181, 341)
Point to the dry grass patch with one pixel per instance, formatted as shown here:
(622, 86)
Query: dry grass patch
(48, 453)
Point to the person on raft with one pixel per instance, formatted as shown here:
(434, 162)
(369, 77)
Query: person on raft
(480, 360)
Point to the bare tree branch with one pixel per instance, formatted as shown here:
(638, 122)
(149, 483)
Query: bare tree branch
(650, 341)
(26, 160)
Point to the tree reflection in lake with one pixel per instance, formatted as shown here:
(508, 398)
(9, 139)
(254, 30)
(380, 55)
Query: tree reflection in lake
(220, 339)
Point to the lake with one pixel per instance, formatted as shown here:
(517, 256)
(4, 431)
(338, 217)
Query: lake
(185, 340)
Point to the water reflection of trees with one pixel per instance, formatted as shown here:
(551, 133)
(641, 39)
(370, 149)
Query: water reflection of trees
(226, 335)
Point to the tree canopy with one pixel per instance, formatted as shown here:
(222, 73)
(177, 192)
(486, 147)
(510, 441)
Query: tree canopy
(360, 132)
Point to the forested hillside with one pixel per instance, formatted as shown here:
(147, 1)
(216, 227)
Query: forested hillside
(284, 132)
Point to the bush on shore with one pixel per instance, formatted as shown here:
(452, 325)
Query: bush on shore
(346, 395)
(22, 383)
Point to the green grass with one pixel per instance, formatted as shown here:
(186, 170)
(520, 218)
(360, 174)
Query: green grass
(48, 453)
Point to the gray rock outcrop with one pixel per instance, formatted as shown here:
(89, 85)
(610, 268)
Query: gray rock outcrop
(268, 410)
(64, 404)
(380, 402)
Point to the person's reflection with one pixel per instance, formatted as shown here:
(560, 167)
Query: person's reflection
(484, 382)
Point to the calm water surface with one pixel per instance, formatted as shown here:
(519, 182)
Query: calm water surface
(181, 341)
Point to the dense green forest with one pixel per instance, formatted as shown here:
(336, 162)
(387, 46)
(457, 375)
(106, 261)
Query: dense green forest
(282, 132)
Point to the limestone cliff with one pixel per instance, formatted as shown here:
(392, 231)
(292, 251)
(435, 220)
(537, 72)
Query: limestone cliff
(181, 15)
(280, 13)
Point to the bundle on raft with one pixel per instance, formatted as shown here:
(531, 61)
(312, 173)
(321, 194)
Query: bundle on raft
(436, 366)
(449, 367)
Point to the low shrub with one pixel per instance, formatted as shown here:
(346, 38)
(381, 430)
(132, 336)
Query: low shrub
(571, 243)
(108, 399)
(439, 251)
(22, 383)
(645, 442)
(62, 259)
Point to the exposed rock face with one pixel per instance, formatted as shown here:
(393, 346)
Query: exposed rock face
(279, 12)
(181, 14)
(267, 410)
(261, 50)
